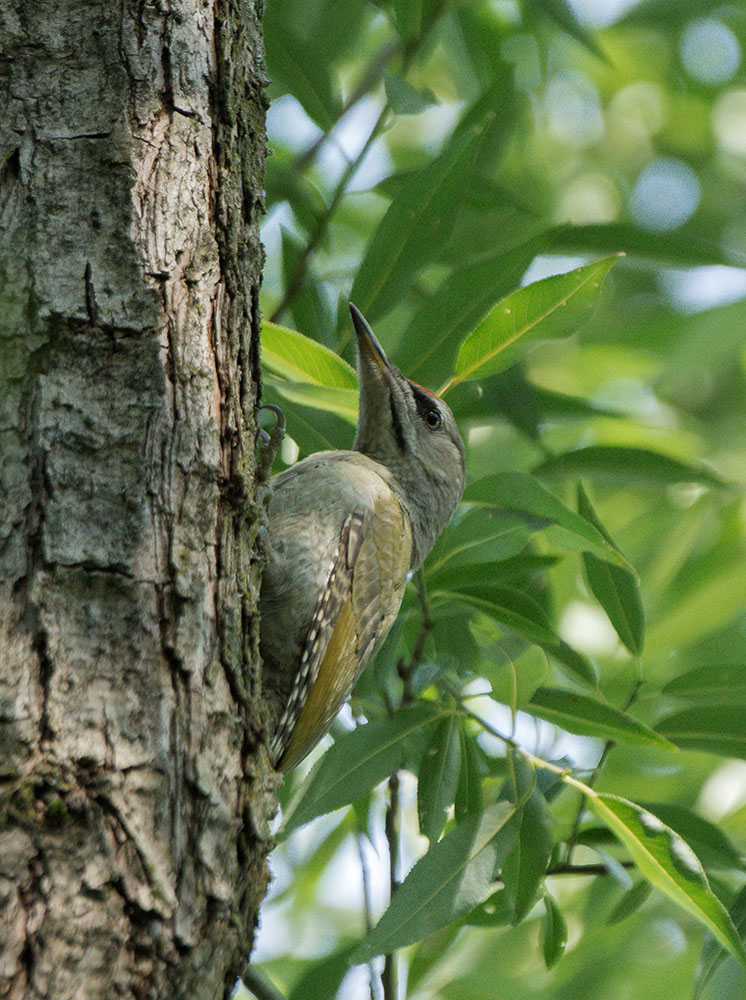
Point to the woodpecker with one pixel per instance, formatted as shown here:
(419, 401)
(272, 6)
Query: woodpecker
(345, 528)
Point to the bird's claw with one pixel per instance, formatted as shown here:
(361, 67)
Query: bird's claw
(269, 442)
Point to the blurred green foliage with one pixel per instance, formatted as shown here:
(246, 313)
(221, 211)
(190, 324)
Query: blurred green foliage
(562, 702)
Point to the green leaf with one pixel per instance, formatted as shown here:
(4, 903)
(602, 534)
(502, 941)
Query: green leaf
(712, 952)
(325, 975)
(514, 681)
(482, 535)
(295, 66)
(708, 841)
(338, 28)
(493, 912)
(718, 729)
(358, 761)
(417, 222)
(518, 493)
(427, 956)
(429, 344)
(669, 863)
(449, 881)
(702, 606)
(615, 589)
(408, 16)
(686, 246)
(291, 355)
(718, 682)
(545, 310)
(342, 402)
(563, 15)
(625, 467)
(404, 98)
(525, 867)
(438, 777)
(553, 933)
(469, 797)
(309, 309)
(284, 183)
(585, 716)
(312, 430)
(510, 607)
(567, 657)
(630, 902)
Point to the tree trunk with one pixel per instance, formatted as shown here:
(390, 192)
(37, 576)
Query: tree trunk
(134, 787)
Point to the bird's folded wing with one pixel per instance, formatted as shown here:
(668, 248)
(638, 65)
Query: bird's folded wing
(362, 595)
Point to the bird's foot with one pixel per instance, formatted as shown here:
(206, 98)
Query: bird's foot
(269, 443)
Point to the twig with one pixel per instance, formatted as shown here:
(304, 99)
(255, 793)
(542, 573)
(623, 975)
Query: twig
(371, 77)
(393, 822)
(366, 905)
(593, 869)
(410, 50)
(406, 668)
(591, 779)
(296, 281)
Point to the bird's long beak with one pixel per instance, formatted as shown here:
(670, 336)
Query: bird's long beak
(367, 340)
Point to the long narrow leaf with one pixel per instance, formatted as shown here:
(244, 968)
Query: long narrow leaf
(580, 714)
(668, 862)
(342, 402)
(439, 776)
(548, 309)
(554, 932)
(712, 952)
(716, 682)
(615, 588)
(452, 878)
(359, 761)
(521, 494)
(625, 467)
(718, 729)
(417, 222)
(293, 356)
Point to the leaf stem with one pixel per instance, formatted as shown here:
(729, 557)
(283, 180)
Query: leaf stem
(539, 762)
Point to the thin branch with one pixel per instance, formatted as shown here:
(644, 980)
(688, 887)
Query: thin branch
(405, 670)
(544, 765)
(366, 905)
(299, 274)
(393, 825)
(591, 780)
(593, 869)
(597, 868)
(369, 79)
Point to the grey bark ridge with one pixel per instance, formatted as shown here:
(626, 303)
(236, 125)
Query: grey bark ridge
(135, 792)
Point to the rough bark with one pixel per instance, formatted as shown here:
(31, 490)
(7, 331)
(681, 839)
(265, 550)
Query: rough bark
(134, 788)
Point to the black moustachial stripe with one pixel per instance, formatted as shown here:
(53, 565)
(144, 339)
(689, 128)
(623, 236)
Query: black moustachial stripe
(396, 424)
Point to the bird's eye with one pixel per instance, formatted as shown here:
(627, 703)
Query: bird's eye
(433, 420)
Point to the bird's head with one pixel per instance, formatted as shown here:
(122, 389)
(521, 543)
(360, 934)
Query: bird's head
(412, 432)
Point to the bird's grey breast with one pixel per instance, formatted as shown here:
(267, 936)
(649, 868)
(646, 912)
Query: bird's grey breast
(309, 505)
